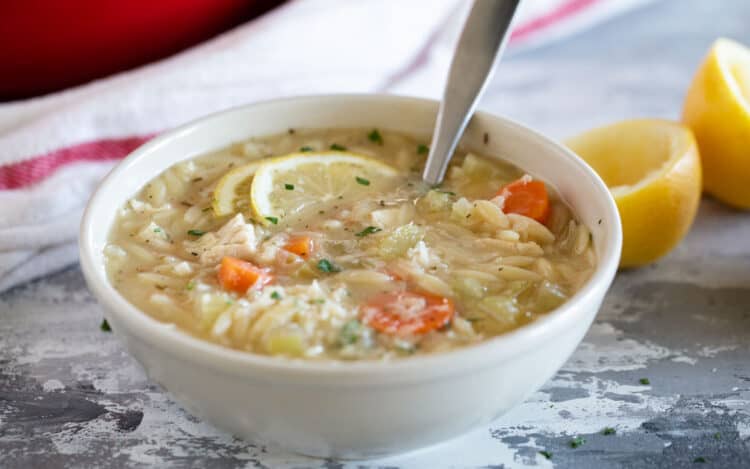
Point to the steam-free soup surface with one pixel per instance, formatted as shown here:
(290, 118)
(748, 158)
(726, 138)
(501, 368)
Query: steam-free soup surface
(340, 252)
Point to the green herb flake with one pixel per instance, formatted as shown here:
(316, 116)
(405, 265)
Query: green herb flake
(367, 231)
(273, 220)
(157, 230)
(318, 301)
(375, 137)
(276, 295)
(577, 441)
(190, 285)
(337, 147)
(306, 149)
(717, 436)
(644, 381)
(350, 332)
(196, 232)
(363, 181)
(104, 326)
(324, 265)
(609, 431)
(289, 187)
(422, 149)
(440, 191)
(546, 454)
(699, 460)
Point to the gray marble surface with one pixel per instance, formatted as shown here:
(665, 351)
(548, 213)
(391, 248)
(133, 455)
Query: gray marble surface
(70, 396)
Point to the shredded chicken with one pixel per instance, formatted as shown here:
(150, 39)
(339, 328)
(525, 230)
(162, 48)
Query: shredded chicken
(236, 238)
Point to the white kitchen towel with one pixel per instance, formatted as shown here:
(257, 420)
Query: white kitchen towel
(54, 149)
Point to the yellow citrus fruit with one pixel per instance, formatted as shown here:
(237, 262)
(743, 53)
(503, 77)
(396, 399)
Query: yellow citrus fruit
(286, 186)
(653, 170)
(717, 109)
(232, 193)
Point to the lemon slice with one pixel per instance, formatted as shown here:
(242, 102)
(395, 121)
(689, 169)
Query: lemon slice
(232, 193)
(653, 170)
(717, 109)
(303, 184)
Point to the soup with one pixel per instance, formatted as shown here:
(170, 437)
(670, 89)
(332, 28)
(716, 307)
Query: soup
(337, 250)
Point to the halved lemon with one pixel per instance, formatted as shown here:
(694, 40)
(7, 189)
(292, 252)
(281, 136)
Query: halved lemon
(309, 183)
(232, 193)
(717, 109)
(653, 170)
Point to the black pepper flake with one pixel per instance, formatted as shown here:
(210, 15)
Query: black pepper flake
(486, 138)
(599, 222)
(194, 253)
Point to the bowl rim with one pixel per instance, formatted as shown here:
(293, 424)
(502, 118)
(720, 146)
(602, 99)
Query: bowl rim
(172, 340)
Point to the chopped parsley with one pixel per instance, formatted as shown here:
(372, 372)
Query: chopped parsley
(717, 436)
(609, 431)
(350, 332)
(289, 187)
(699, 459)
(306, 149)
(157, 230)
(190, 285)
(422, 149)
(104, 326)
(318, 301)
(546, 454)
(276, 295)
(324, 265)
(196, 232)
(337, 147)
(644, 381)
(440, 191)
(367, 231)
(363, 181)
(577, 441)
(273, 220)
(375, 137)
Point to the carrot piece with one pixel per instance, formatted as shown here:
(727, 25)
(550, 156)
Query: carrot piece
(405, 313)
(526, 197)
(239, 276)
(300, 245)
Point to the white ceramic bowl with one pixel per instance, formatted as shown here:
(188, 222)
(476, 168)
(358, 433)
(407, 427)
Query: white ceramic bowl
(353, 409)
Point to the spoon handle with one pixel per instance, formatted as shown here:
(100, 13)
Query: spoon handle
(478, 50)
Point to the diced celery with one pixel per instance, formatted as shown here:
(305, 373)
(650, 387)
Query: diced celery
(503, 309)
(286, 341)
(549, 296)
(396, 243)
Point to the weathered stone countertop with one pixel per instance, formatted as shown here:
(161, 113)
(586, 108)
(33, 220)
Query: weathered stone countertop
(70, 396)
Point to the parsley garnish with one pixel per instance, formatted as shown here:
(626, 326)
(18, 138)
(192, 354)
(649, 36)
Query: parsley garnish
(190, 285)
(363, 181)
(273, 220)
(289, 187)
(546, 454)
(324, 265)
(609, 431)
(157, 230)
(375, 137)
(306, 149)
(644, 381)
(367, 231)
(104, 326)
(439, 191)
(577, 441)
(422, 149)
(350, 332)
(337, 147)
(699, 459)
(196, 232)
(276, 295)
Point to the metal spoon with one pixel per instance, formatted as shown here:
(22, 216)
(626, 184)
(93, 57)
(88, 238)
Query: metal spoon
(479, 49)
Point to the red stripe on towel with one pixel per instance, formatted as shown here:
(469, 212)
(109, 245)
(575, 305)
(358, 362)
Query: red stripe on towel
(560, 13)
(31, 171)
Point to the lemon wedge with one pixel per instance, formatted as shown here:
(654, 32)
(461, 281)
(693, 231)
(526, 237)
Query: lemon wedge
(653, 170)
(232, 192)
(717, 109)
(308, 183)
